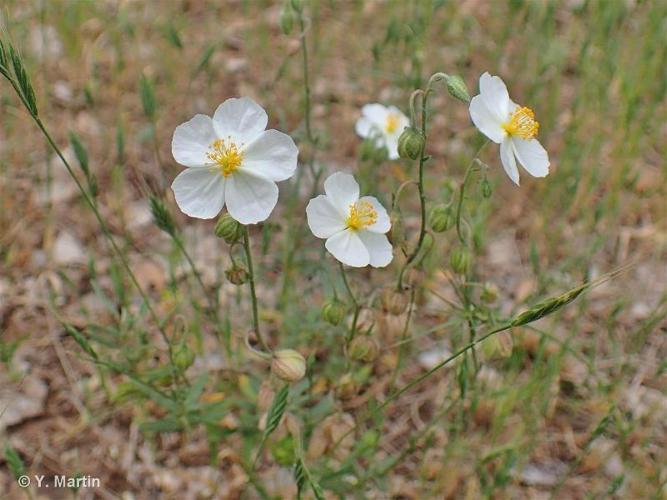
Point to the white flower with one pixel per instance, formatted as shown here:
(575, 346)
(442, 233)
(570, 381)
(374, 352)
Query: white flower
(510, 125)
(353, 227)
(232, 160)
(383, 125)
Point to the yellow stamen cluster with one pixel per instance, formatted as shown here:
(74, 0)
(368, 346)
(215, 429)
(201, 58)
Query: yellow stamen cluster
(362, 214)
(522, 123)
(226, 156)
(392, 123)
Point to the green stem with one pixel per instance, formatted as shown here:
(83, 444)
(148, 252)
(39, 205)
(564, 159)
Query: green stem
(253, 294)
(459, 205)
(355, 303)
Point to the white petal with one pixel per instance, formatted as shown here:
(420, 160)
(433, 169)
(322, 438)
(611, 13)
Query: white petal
(241, 119)
(363, 127)
(348, 248)
(379, 248)
(250, 199)
(485, 121)
(199, 192)
(323, 219)
(376, 113)
(495, 95)
(383, 223)
(342, 190)
(508, 160)
(272, 155)
(391, 142)
(532, 156)
(191, 141)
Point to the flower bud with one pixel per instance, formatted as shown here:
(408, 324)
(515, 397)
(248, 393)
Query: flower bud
(297, 5)
(347, 387)
(460, 260)
(333, 312)
(363, 348)
(441, 218)
(411, 143)
(183, 357)
(237, 275)
(288, 365)
(457, 88)
(393, 301)
(486, 188)
(286, 20)
(413, 277)
(228, 229)
(489, 292)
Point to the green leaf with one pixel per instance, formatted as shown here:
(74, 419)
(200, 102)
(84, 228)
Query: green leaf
(195, 391)
(14, 462)
(81, 340)
(276, 411)
(80, 152)
(147, 97)
(167, 424)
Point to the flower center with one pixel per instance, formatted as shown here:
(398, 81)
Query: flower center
(522, 123)
(225, 155)
(362, 214)
(392, 123)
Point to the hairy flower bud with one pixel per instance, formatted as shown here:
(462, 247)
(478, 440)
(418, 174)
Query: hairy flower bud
(228, 229)
(363, 348)
(441, 218)
(486, 188)
(183, 357)
(288, 365)
(237, 275)
(460, 260)
(333, 312)
(393, 301)
(411, 143)
(457, 88)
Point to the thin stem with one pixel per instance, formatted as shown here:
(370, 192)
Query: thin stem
(306, 80)
(253, 294)
(459, 205)
(355, 303)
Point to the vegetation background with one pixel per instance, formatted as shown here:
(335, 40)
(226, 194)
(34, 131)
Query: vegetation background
(573, 406)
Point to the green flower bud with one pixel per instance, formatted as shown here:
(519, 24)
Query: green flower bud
(183, 357)
(457, 88)
(297, 5)
(411, 143)
(288, 365)
(363, 348)
(228, 229)
(333, 312)
(441, 218)
(486, 188)
(347, 387)
(237, 275)
(489, 293)
(460, 260)
(286, 20)
(393, 301)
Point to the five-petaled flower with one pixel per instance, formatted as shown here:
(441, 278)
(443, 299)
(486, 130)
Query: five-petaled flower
(231, 160)
(353, 227)
(512, 126)
(382, 125)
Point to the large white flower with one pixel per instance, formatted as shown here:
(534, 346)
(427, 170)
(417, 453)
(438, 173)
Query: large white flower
(383, 125)
(232, 160)
(353, 227)
(510, 125)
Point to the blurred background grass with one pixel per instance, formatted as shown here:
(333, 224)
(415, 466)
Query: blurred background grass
(595, 72)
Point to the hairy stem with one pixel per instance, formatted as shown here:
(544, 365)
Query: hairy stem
(253, 294)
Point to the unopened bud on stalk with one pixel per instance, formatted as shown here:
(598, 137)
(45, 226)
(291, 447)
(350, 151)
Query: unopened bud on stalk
(489, 293)
(183, 357)
(297, 5)
(237, 275)
(441, 218)
(457, 88)
(460, 260)
(288, 365)
(363, 348)
(347, 387)
(333, 312)
(393, 301)
(228, 229)
(411, 143)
